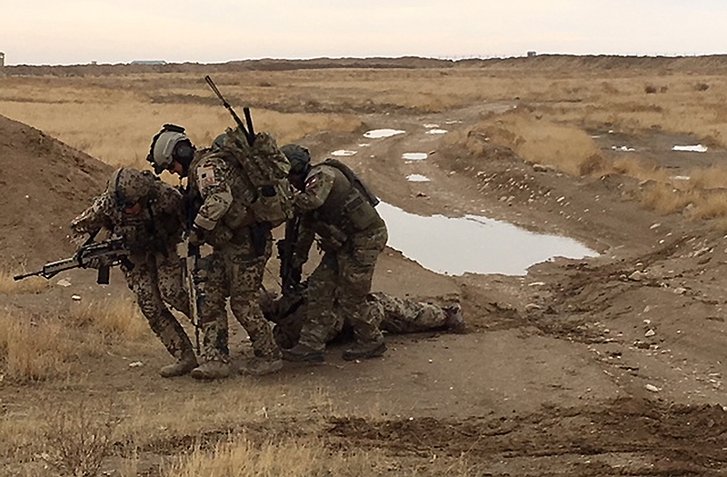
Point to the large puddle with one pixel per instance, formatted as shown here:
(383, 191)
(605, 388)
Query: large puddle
(473, 243)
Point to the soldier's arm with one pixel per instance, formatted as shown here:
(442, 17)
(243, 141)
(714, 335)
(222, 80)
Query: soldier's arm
(318, 186)
(213, 183)
(95, 217)
(306, 235)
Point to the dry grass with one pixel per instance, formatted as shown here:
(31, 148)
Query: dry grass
(116, 319)
(78, 439)
(29, 285)
(33, 351)
(290, 458)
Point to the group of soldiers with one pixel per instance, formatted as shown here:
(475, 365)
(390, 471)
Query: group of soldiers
(330, 205)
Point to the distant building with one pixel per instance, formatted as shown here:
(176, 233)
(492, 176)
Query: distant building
(532, 54)
(2, 59)
(148, 62)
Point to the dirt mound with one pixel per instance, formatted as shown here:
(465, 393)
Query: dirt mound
(45, 183)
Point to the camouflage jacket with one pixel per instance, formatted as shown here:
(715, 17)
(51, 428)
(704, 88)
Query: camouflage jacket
(222, 193)
(158, 227)
(332, 208)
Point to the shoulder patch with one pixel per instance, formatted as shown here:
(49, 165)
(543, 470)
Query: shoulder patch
(206, 177)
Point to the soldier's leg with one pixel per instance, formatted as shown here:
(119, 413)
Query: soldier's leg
(212, 291)
(403, 315)
(171, 282)
(321, 321)
(142, 279)
(355, 275)
(245, 278)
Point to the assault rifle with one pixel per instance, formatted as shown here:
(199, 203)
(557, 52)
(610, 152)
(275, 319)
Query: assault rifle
(108, 253)
(249, 132)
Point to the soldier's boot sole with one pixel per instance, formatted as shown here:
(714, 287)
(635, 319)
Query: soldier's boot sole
(180, 368)
(212, 370)
(365, 351)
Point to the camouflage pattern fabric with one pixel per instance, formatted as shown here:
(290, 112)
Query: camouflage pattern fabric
(154, 279)
(401, 315)
(154, 271)
(218, 182)
(338, 288)
(235, 268)
(390, 313)
(233, 271)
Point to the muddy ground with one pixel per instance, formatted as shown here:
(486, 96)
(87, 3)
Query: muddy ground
(597, 367)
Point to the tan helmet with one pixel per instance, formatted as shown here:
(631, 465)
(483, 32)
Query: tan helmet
(128, 186)
(168, 145)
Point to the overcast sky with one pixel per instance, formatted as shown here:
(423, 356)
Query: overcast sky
(80, 31)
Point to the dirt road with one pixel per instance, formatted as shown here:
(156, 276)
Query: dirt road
(605, 366)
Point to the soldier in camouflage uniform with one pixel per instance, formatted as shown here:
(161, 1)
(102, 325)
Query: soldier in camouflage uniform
(241, 248)
(147, 214)
(391, 314)
(334, 205)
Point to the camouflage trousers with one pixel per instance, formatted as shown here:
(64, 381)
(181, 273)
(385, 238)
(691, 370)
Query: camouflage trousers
(156, 278)
(234, 272)
(391, 314)
(337, 291)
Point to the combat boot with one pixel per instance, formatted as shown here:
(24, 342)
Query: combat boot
(454, 319)
(371, 349)
(180, 368)
(303, 353)
(214, 369)
(261, 366)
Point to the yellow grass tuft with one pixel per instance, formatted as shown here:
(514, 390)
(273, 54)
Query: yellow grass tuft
(116, 319)
(665, 199)
(29, 285)
(245, 458)
(31, 351)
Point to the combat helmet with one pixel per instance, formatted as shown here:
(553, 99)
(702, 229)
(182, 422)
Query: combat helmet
(169, 145)
(128, 186)
(299, 158)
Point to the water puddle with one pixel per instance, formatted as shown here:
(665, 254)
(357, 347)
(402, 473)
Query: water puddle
(693, 148)
(623, 148)
(431, 126)
(417, 178)
(343, 153)
(437, 131)
(473, 243)
(382, 133)
(414, 156)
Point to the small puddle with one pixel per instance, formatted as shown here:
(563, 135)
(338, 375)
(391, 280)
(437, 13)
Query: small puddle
(414, 156)
(694, 148)
(623, 148)
(437, 131)
(382, 133)
(343, 153)
(417, 178)
(472, 243)
(431, 126)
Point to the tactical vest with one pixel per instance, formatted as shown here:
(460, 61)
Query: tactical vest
(346, 207)
(267, 169)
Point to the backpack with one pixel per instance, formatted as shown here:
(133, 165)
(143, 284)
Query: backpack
(266, 168)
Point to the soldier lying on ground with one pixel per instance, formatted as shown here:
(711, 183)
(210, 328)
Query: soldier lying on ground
(147, 215)
(391, 314)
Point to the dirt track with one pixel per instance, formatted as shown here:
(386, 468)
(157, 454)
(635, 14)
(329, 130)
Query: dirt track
(553, 379)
